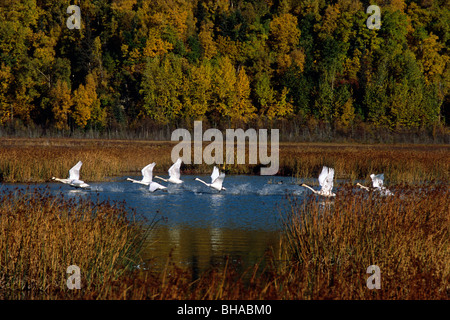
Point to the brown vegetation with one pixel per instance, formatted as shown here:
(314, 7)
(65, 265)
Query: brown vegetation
(37, 160)
(42, 234)
(326, 249)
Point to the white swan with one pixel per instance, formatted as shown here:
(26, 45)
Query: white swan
(74, 177)
(147, 177)
(174, 173)
(216, 179)
(377, 184)
(326, 182)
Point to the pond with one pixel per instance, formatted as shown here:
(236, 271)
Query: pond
(199, 226)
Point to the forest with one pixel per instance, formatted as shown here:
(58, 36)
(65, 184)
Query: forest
(229, 63)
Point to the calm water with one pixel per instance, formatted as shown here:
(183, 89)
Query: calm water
(201, 227)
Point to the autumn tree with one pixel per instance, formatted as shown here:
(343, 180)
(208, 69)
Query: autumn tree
(86, 103)
(284, 39)
(243, 109)
(61, 102)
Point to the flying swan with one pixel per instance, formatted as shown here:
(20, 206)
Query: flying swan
(326, 182)
(216, 179)
(74, 177)
(377, 184)
(147, 174)
(174, 173)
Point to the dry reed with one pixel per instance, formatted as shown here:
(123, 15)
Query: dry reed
(37, 160)
(326, 249)
(407, 236)
(42, 234)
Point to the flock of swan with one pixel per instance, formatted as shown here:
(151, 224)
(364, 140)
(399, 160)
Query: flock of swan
(325, 180)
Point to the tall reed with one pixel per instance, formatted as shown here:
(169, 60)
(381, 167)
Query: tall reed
(41, 235)
(326, 248)
(406, 235)
(37, 160)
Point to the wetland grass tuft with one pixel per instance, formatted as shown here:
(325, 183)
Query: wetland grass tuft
(37, 160)
(325, 250)
(42, 234)
(407, 235)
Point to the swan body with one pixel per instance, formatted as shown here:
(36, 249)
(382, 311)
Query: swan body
(216, 179)
(74, 177)
(326, 182)
(377, 185)
(174, 173)
(147, 178)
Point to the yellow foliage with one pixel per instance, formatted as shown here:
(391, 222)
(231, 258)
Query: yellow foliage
(6, 77)
(199, 88)
(155, 46)
(123, 5)
(85, 100)
(61, 100)
(345, 113)
(242, 109)
(433, 63)
(352, 65)
(229, 48)
(284, 33)
(207, 41)
(281, 108)
(330, 21)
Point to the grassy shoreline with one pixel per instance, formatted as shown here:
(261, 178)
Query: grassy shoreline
(324, 253)
(37, 160)
(326, 248)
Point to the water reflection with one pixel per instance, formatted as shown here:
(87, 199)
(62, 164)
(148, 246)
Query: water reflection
(201, 248)
(202, 226)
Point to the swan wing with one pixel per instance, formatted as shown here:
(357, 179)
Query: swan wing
(330, 178)
(215, 174)
(217, 184)
(74, 172)
(377, 180)
(323, 176)
(147, 172)
(326, 179)
(174, 170)
(155, 186)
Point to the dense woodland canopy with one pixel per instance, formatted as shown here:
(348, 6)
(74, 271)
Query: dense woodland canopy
(226, 62)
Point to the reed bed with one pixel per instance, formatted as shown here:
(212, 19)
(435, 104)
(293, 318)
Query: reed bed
(332, 243)
(37, 160)
(399, 163)
(41, 235)
(325, 250)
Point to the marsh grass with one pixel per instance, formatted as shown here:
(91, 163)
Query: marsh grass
(37, 160)
(406, 235)
(42, 234)
(399, 163)
(325, 250)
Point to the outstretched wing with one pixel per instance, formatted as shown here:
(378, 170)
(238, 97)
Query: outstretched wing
(329, 180)
(174, 170)
(74, 172)
(323, 176)
(326, 179)
(377, 180)
(215, 174)
(155, 186)
(217, 184)
(147, 172)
